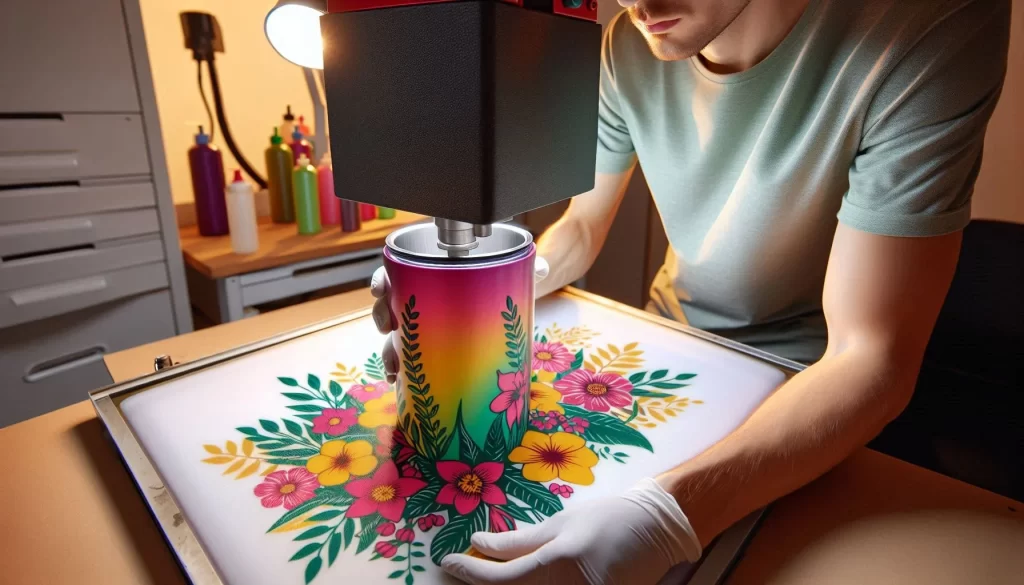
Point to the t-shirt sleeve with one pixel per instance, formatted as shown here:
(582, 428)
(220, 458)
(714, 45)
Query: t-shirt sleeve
(615, 153)
(921, 146)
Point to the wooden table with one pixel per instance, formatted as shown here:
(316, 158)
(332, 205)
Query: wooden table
(70, 512)
(222, 284)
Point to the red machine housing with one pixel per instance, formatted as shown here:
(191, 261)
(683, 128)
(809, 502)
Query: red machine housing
(584, 9)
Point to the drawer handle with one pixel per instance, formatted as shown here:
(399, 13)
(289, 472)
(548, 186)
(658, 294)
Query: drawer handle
(70, 361)
(35, 162)
(56, 291)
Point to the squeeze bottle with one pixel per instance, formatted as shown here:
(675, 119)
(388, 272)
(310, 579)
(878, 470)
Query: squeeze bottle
(207, 167)
(330, 206)
(300, 146)
(242, 216)
(367, 211)
(288, 123)
(307, 204)
(385, 213)
(279, 180)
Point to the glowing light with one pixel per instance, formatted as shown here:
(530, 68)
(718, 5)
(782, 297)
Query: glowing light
(294, 32)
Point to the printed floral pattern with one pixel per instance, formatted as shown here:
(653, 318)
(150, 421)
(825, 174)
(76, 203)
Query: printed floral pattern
(350, 476)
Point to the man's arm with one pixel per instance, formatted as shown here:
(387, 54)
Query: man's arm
(571, 244)
(882, 296)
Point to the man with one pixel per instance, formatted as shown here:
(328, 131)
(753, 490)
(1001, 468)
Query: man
(759, 123)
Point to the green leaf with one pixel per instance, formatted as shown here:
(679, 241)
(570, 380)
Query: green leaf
(333, 548)
(297, 396)
(293, 453)
(685, 376)
(322, 516)
(313, 532)
(368, 531)
(306, 551)
(248, 431)
(417, 554)
(530, 493)
(323, 497)
(424, 502)
(313, 568)
(508, 302)
(658, 374)
(517, 513)
(637, 377)
(313, 382)
(468, 449)
(311, 408)
(288, 381)
(269, 426)
(293, 427)
(335, 388)
(396, 574)
(418, 568)
(398, 559)
(665, 385)
(276, 444)
(608, 430)
(454, 536)
(494, 445)
(634, 412)
(640, 392)
(349, 531)
(408, 579)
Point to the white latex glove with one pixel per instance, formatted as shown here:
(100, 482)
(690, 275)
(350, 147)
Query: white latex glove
(380, 288)
(631, 539)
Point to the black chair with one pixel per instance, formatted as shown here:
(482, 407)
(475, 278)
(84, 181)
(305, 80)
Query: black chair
(966, 418)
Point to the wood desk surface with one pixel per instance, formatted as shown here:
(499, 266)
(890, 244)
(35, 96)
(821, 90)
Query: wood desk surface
(70, 512)
(280, 245)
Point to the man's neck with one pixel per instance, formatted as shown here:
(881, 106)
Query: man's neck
(753, 35)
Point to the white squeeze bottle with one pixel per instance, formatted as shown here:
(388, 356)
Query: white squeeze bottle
(242, 216)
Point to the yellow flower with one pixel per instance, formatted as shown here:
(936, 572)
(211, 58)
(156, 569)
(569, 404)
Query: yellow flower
(545, 376)
(339, 460)
(380, 411)
(545, 398)
(561, 455)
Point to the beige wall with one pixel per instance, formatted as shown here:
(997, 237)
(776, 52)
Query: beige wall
(999, 192)
(257, 83)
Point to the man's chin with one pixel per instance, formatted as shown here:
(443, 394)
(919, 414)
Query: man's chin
(667, 49)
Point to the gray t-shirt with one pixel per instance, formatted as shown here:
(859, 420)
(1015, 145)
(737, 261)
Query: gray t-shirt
(870, 111)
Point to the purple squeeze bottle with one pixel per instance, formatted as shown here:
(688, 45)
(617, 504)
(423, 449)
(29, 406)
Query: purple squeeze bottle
(207, 166)
(300, 146)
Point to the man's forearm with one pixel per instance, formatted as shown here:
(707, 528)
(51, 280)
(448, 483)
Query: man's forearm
(568, 248)
(804, 429)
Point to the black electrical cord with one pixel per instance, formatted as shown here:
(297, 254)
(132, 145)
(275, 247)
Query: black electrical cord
(218, 104)
(206, 102)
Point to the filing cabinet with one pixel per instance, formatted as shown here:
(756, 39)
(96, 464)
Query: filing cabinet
(89, 254)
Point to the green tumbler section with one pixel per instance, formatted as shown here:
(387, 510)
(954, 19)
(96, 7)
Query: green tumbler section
(385, 213)
(307, 198)
(279, 182)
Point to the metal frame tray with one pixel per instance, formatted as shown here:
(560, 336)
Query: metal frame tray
(711, 570)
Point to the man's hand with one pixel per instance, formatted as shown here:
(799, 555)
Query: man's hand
(630, 539)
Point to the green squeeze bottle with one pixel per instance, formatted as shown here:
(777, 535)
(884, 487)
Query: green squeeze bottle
(279, 180)
(307, 196)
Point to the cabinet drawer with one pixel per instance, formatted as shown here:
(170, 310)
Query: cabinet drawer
(73, 198)
(41, 237)
(49, 364)
(67, 265)
(75, 146)
(70, 56)
(22, 305)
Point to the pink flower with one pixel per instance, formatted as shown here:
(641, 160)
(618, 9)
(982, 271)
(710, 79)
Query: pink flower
(560, 490)
(576, 424)
(334, 421)
(385, 493)
(410, 471)
(385, 549)
(290, 487)
(386, 528)
(369, 391)
(405, 451)
(405, 535)
(467, 487)
(501, 521)
(436, 519)
(425, 523)
(512, 398)
(599, 392)
(551, 357)
(385, 441)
